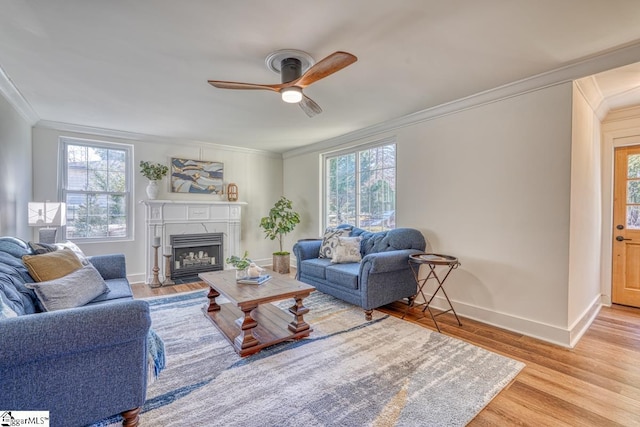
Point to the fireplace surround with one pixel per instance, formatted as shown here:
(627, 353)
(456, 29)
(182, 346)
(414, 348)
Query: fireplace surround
(166, 218)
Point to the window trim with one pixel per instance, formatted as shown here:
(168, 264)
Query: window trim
(349, 150)
(63, 142)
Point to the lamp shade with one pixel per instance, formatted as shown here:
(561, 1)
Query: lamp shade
(47, 214)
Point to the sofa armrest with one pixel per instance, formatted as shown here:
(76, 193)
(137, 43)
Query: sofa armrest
(383, 262)
(82, 364)
(43, 337)
(307, 249)
(112, 266)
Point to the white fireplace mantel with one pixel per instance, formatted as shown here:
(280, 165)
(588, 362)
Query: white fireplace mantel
(164, 218)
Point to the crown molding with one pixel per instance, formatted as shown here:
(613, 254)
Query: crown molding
(607, 60)
(15, 98)
(133, 136)
(590, 90)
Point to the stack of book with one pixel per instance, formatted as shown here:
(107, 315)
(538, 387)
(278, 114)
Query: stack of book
(254, 280)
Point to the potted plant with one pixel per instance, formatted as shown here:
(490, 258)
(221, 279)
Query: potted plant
(240, 264)
(282, 220)
(154, 172)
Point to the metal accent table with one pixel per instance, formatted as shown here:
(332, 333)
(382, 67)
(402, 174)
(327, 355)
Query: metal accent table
(432, 261)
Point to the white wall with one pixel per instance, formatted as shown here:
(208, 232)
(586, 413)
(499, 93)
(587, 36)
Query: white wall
(586, 216)
(257, 174)
(15, 172)
(491, 185)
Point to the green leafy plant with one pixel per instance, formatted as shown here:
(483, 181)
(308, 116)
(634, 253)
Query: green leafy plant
(153, 171)
(239, 263)
(282, 220)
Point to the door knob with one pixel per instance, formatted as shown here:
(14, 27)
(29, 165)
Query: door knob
(620, 238)
(620, 227)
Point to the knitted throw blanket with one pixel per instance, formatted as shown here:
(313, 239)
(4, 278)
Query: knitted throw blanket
(156, 356)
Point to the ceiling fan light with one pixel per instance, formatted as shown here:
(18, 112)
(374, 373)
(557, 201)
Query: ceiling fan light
(292, 95)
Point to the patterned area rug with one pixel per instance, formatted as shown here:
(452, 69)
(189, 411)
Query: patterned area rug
(349, 372)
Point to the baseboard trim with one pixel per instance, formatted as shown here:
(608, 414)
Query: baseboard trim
(580, 326)
(564, 337)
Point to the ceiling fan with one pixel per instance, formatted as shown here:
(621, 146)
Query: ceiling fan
(289, 64)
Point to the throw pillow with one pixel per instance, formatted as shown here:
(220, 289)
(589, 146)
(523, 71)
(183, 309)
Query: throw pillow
(41, 248)
(6, 311)
(73, 290)
(52, 265)
(347, 250)
(76, 250)
(330, 240)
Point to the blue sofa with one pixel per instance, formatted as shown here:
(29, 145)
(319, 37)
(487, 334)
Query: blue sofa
(81, 364)
(383, 275)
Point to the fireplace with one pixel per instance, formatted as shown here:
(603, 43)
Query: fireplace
(195, 253)
(166, 218)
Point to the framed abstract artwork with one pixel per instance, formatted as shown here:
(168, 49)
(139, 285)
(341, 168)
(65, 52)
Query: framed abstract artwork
(196, 176)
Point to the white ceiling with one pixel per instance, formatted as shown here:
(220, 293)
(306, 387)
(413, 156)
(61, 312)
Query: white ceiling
(142, 65)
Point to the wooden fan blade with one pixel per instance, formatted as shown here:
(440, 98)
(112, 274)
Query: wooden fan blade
(327, 66)
(249, 86)
(309, 106)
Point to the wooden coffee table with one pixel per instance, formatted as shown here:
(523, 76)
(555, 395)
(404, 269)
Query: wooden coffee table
(248, 321)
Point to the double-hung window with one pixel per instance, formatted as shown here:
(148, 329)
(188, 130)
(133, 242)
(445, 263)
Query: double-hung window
(360, 187)
(96, 185)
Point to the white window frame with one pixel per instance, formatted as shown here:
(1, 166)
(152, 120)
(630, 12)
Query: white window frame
(64, 141)
(351, 150)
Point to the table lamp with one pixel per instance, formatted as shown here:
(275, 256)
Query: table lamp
(47, 215)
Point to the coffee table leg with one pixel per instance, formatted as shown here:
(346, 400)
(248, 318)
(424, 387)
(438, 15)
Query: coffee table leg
(213, 305)
(298, 310)
(246, 339)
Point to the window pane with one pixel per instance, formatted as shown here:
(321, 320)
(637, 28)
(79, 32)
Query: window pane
(76, 215)
(633, 192)
(341, 191)
(633, 166)
(117, 182)
(76, 167)
(633, 217)
(377, 188)
(117, 159)
(117, 216)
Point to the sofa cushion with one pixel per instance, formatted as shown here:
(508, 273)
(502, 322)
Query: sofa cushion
(76, 250)
(314, 267)
(345, 275)
(347, 250)
(52, 265)
(330, 240)
(73, 290)
(118, 288)
(390, 240)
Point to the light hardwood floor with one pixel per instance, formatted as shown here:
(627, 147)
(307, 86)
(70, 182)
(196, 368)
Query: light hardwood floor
(597, 383)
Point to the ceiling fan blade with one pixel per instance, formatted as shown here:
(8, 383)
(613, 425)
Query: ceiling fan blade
(251, 86)
(327, 66)
(309, 106)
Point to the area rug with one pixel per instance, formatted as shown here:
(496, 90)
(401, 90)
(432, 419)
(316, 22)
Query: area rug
(349, 372)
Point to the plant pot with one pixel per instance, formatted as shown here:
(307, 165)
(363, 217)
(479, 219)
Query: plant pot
(152, 189)
(281, 263)
(242, 273)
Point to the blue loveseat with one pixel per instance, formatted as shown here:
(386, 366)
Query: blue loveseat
(81, 364)
(381, 277)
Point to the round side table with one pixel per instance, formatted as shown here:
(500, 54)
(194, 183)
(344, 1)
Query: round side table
(432, 261)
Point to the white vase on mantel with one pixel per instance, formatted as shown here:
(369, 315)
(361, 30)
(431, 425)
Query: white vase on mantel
(152, 189)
